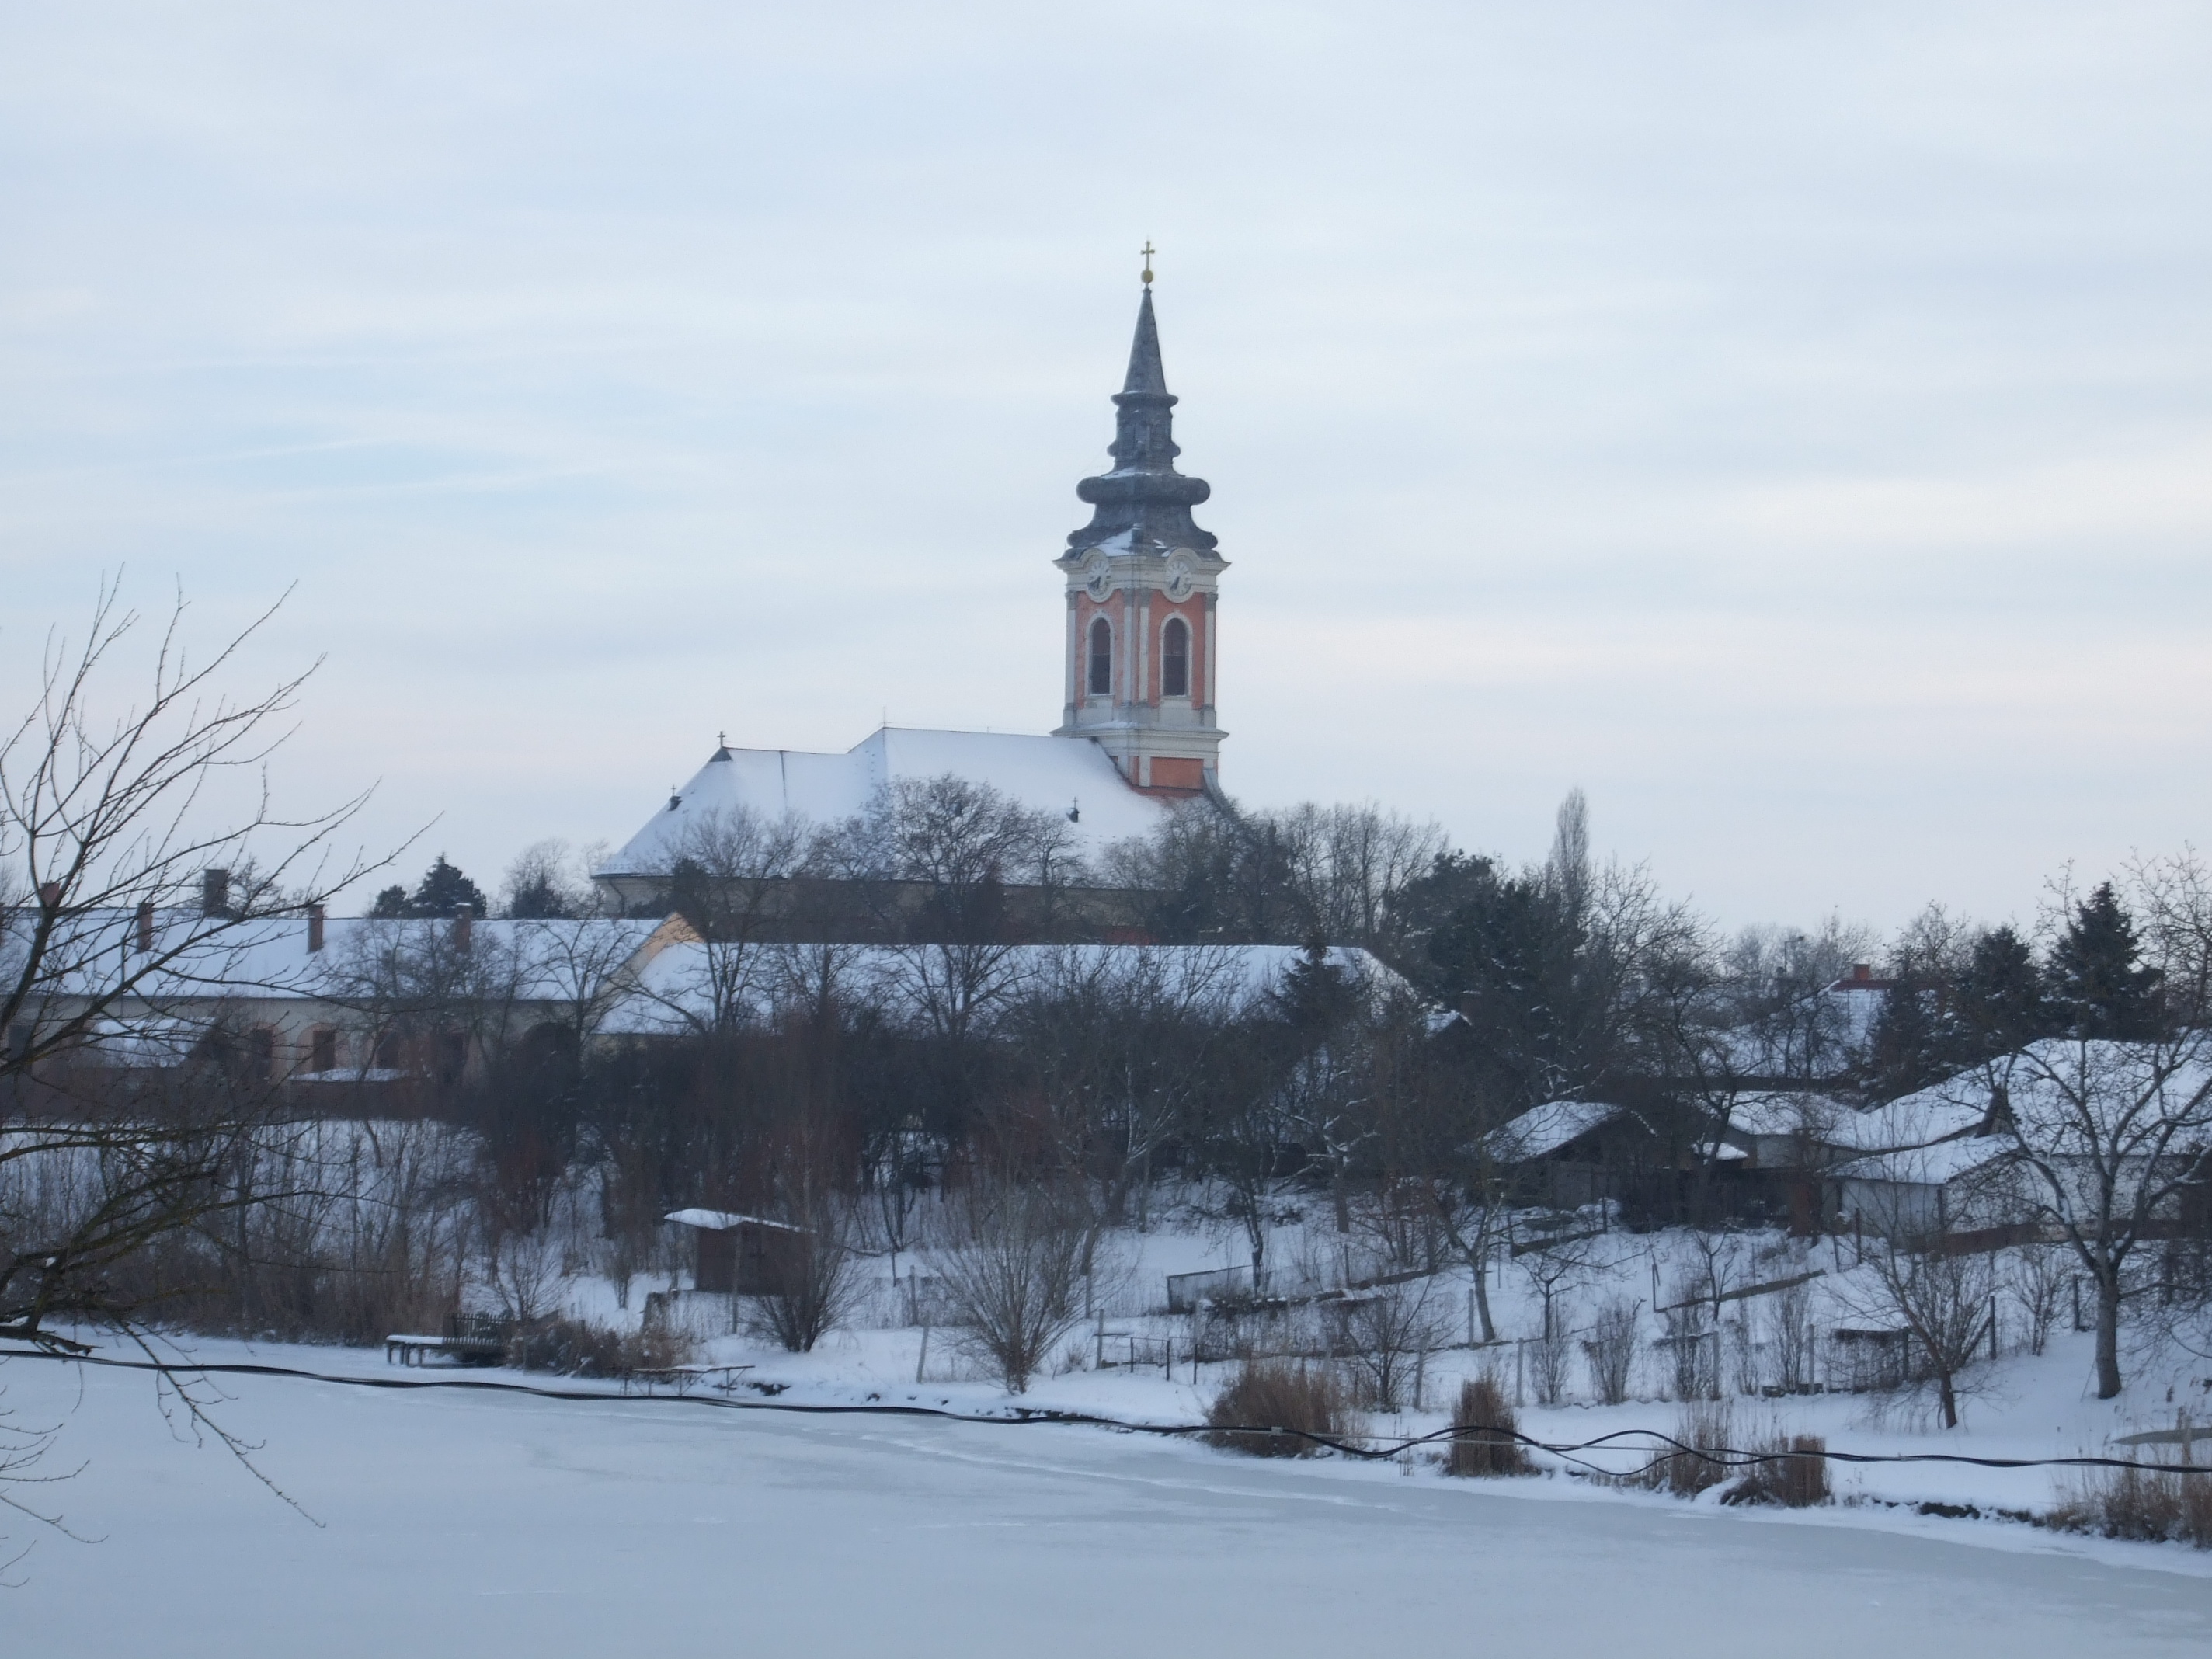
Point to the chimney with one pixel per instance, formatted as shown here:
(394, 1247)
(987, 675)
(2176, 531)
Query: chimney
(49, 895)
(214, 893)
(1861, 972)
(464, 924)
(146, 924)
(315, 914)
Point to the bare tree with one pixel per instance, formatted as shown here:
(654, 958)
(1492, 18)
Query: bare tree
(524, 1272)
(550, 881)
(1789, 1324)
(2037, 1277)
(1611, 1348)
(143, 899)
(1388, 1333)
(1696, 1322)
(1244, 1136)
(820, 1283)
(945, 856)
(819, 1279)
(1120, 1047)
(2104, 1137)
(1008, 1259)
(730, 877)
(1943, 1298)
(1347, 867)
(578, 968)
(1552, 1267)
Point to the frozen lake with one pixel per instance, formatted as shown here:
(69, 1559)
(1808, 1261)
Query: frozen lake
(457, 1523)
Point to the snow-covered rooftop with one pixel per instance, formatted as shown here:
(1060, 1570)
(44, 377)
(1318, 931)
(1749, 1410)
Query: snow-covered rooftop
(721, 1221)
(1544, 1129)
(1045, 774)
(1915, 1119)
(1929, 1166)
(548, 960)
(2057, 1088)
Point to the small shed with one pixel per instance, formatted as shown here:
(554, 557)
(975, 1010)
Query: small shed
(1567, 1152)
(748, 1254)
(1927, 1191)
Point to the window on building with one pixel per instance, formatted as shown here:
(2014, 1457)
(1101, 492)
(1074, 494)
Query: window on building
(260, 1053)
(323, 1048)
(1101, 657)
(1174, 658)
(387, 1052)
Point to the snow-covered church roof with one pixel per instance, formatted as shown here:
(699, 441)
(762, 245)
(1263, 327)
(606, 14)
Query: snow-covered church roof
(1045, 773)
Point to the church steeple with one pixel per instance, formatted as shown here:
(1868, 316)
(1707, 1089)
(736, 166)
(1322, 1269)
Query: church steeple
(1143, 497)
(1141, 593)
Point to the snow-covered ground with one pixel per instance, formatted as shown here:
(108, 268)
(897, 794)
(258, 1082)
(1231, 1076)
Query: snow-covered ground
(468, 1522)
(463, 1522)
(2023, 1406)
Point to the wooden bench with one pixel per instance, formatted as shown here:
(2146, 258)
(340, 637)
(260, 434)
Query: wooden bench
(404, 1349)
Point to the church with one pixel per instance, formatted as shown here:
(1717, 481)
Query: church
(1138, 728)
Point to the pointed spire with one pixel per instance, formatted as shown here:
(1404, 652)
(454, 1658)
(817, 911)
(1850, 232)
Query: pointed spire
(1144, 501)
(1146, 375)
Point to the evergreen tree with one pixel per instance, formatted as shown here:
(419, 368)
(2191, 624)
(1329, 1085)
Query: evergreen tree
(445, 891)
(1906, 1048)
(2100, 983)
(391, 903)
(536, 887)
(539, 898)
(1316, 996)
(1509, 957)
(1423, 915)
(1998, 1002)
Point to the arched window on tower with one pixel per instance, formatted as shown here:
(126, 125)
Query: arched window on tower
(1101, 657)
(1174, 658)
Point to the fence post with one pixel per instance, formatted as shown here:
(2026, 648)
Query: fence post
(1519, 1349)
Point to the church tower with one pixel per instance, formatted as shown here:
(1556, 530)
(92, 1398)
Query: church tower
(1141, 589)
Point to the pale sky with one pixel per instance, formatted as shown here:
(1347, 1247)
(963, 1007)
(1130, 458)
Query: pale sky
(1791, 425)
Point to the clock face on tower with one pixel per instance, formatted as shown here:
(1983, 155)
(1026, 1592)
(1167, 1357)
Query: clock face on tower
(1097, 575)
(1179, 576)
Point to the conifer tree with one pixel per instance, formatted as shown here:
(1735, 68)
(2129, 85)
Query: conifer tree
(2100, 983)
(1999, 1001)
(445, 891)
(1908, 1050)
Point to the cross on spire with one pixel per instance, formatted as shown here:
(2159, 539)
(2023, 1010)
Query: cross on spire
(1147, 252)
